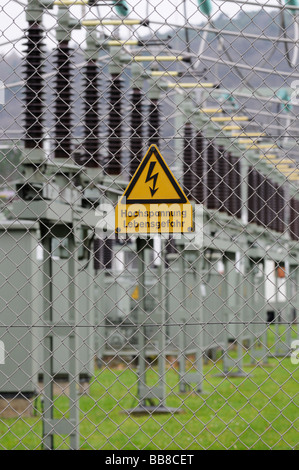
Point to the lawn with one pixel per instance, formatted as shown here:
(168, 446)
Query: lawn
(259, 411)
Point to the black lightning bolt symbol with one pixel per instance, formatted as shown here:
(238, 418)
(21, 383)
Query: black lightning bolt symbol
(152, 177)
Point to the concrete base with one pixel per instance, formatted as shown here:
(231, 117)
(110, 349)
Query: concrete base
(264, 365)
(231, 374)
(62, 387)
(280, 355)
(149, 410)
(192, 391)
(16, 407)
(119, 362)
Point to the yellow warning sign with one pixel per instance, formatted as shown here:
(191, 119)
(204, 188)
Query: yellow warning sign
(135, 294)
(153, 202)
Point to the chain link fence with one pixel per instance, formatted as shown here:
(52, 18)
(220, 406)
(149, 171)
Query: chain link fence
(148, 334)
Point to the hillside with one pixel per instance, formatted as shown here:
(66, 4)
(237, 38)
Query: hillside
(240, 49)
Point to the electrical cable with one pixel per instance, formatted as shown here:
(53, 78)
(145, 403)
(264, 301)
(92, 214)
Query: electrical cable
(187, 37)
(249, 67)
(12, 41)
(296, 39)
(226, 52)
(226, 32)
(215, 30)
(221, 43)
(291, 61)
(20, 3)
(283, 30)
(86, 248)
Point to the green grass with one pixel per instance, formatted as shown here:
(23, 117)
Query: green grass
(259, 411)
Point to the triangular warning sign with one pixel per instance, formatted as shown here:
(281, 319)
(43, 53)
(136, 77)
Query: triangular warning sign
(153, 201)
(153, 182)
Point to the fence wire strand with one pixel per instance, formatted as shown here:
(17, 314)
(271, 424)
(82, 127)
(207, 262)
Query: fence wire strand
(149, 225)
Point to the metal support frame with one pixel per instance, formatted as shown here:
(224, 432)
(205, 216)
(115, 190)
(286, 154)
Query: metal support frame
(195, 318)
(146, 394)
(283, 317)
(257, 347)
(66, 221)
(65, 426)
(235, 302)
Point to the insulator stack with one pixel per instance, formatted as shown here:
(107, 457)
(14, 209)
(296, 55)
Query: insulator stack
(212, 177)
(108, 253)
(63, 117)
(238, 181)
(294, 219)
(113, 166)
(188, 179)
(199, 166)
(170, 246)
(271, 205)
(234, 203)
(260, 202)
(265, 211)
(98, 254)
(262, 215)
(91, 143)
(280, 196)
(136, 130)
(256, 197)
(222, 188)
(252, 195)
(33, 96)
(279, 212)
(103, 253)
(154, 123)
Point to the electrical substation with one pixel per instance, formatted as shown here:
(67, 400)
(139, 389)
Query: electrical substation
(117, 117)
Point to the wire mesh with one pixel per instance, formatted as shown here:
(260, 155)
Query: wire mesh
(149, 339)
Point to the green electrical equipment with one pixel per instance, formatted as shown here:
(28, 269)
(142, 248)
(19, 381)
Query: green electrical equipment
(21, 304)
(205, 7)
(292, 3)
(219, 258)
(268, 255)
(48, 306)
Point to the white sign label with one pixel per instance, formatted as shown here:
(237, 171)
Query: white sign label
(2, 353)
(2, 93)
